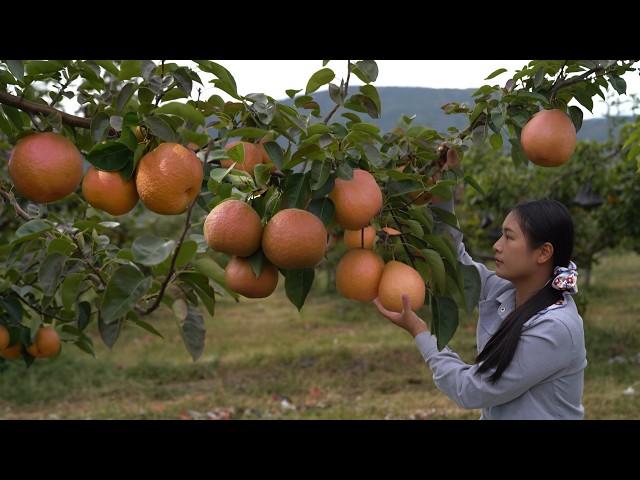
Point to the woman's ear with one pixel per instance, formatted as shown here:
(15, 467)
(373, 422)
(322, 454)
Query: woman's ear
(546, 253)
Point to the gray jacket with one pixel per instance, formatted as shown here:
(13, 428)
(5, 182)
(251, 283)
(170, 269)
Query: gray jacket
(546, 376)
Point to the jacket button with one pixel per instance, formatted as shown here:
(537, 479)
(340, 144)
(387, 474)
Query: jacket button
(502, 309)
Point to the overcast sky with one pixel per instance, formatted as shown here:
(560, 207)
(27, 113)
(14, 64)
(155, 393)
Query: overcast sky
(273, 77)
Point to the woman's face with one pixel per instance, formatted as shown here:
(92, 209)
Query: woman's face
(514, 258)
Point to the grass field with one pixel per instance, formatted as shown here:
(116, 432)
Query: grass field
(335, 360)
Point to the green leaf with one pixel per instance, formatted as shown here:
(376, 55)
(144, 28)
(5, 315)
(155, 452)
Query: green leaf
(472, 284)
(200, 139)
(257, 262)
(576, 116)
(182, 110)
(50, 272)
(99, 127)
(447, 217)
(297, 191)
(183, 77)
(84, 314)
(517, 154)
(400, 187)
(150, 250)
(161, 129)
(496, 141)
(445, 314)
(584, 98)
(320, 172)
(471, 181)
(125, 287)
(434, 260)
(297, 285)
(208, 267)
(344, 171)
(440, 245)
(496, 73)
(109, 66)
(109, 332)
(148, 327)
(16, 68)
(145, 95)
(193, 333)
(110, 156)
(200, 283)
(13, 307)
(180, 309)
(249, 132)
(324, 209)
(262, 174)
(414, 227)
(366, 127)
(15, 116)
(371, 92)
(362, 103)
(38, 67)
(61, 245)
(336, 94)
(225, 80)
(321, 77)
(130, 69)
(538, 78)
(31, 229)
(187, 253)
(124, 96)
(618, 83)
(70, 289)
(365, 70)
(5, 125)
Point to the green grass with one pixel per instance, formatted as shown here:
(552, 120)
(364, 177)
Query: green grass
(336, 359)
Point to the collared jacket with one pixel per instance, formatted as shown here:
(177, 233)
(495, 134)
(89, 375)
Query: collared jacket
(545, 379)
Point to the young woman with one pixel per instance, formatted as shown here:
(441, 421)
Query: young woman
(530, 336)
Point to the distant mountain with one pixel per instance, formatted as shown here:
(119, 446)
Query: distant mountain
(426, 104)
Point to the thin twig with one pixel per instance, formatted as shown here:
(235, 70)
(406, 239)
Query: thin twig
(172, 267)
(88, 261)
(9, 197)
(346, 88)
(29, 106)
(28, 304)
(574, 80)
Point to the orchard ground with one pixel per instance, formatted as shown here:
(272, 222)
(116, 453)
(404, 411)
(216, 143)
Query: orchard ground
(336, 360)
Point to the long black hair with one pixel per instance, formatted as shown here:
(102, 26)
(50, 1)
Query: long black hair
(541, 221)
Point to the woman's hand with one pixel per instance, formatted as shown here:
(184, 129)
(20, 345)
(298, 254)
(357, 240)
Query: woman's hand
(407, 319)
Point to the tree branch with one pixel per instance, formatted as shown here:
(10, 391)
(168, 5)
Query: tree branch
(9, 197)
(34, 107)
(576, 79)
(88, 262)
(346, 88)
(28, 304)
(172, 267)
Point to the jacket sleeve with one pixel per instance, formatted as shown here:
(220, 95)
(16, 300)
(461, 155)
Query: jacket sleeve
(544, 348)
(488, 278)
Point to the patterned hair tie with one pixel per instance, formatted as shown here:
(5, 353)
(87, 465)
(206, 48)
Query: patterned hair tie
(566, 278)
